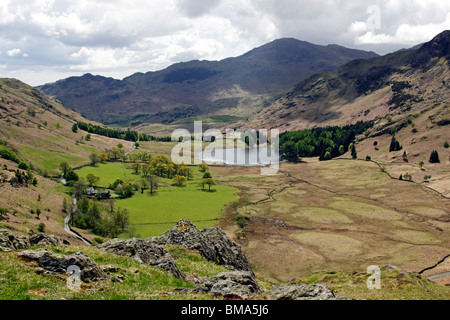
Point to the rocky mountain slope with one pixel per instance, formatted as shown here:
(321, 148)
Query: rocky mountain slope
(142, 269)
(234, 86)
(408, 83)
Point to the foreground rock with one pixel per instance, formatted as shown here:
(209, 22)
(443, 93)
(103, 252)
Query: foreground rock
(302, 292)
(59, 264)
(212, 243)
(237, 283)
(11, 242)
(145, 252)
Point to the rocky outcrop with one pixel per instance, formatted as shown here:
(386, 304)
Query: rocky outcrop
(43, 239)
(59, 264)
(237, 283)
(212, 243)
(144, 251)
(302, 292)
(11, 242)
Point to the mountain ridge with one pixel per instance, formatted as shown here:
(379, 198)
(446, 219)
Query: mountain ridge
(197, 87)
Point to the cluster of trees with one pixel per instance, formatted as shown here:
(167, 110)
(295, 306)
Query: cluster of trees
(325, 143)
(118, 134)
(102, 220)
(70, 175)
(395, 145)
(7, 153)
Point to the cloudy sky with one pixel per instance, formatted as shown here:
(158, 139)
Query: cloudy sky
(42, 41)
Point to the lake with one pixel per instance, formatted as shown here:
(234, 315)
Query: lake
(243, 157)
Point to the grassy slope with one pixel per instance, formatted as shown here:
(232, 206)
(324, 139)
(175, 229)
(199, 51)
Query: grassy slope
(20, 281)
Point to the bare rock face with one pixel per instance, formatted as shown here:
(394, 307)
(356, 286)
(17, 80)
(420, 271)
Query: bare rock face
(43, 239)
(59, 264)
(145, 252)
(212, 243)
(301, 292)
(10, 242)
(238, 283)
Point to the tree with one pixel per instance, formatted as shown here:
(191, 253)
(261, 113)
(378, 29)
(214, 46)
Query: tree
(179, 180)
(94, 159)
(64, 167)
(38, 213)
(203, 167)
(434, 157)
(41, 227)
(92, 179)
(446, 145)
(207, 175)
(143, 185)
(210, 182)
(71, 175)
(327, 156)
(79, 189)
(136, 167)
(75, 128)
(102, 157)
(395, 145)
(88, 137)
(146, 169)
(152, 183)
(353, 150)
(121, 218)
(290, 151)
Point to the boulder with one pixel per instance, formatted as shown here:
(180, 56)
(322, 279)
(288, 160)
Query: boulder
(237, 283)
(10, 242)
(212, 243)
(59, 264)
(145, 252)
(301, 292)
(185, 234)
(228, 253)
(43, 239)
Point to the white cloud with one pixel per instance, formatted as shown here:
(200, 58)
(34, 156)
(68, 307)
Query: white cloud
(13, 52)
(119, 37)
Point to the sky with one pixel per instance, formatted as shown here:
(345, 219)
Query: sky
(42, 41)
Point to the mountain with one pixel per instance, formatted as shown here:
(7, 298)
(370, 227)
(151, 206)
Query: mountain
(236, 86)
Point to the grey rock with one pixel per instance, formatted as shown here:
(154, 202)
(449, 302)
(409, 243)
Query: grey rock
(10, 242)
(239, 283)
(212, 243)
(47, 240)
(59, 264)
(389, 267)
(145, 252)
(301, 292)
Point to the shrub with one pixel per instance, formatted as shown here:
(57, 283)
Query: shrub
(23, 165)
(446, 145)
(41, 227)
(241, 220)
(434, 157)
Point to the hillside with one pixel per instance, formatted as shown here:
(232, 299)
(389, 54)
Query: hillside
(236, 86)
(405, 93)
(37, 131)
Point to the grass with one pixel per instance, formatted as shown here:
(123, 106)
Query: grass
(153, 214)
(49, 160)
(19, 280)
(109, 173)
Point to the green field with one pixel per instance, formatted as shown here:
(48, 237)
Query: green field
(109, 172)
(153, 214)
